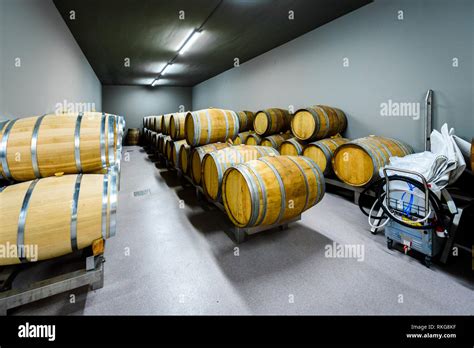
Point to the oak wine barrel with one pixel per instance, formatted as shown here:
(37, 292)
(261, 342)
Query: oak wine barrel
(253, 139)
(271, 121)
(322, 152)
(166, 147)
(276, 140)
(184, 158)
(358, 162)
(177, 129)
(215, 164)
(292, 147)
(174, 148)
(156, 123)
(165, 124)
(58, 215)
(197, 155)
(241, 137)
(318, 122)
(245, 120)
(133, 136)
(210, 126)
(41, 146)
(271, 190)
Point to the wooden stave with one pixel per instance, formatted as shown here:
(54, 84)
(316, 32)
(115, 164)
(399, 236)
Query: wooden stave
(197, 154)
(259, 186)
(278, 120)
(327, 150)
(195, 135)
(28, 213)
(37, 144)
(255, 151)
(379, 155)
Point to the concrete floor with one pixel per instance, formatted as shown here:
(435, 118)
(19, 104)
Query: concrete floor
(171, 257)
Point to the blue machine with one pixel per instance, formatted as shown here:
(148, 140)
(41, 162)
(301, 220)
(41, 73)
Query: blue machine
(426, 242)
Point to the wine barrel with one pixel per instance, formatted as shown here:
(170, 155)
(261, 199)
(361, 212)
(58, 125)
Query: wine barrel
(184, 158)
(174, 147)
(166, 147)
(358, 162)
(197, 155)
(165, 124)
(214, 164)
(292, 147)
(146, 122)
(211, 126)
(322, 151)
(133, 136)
(253, 139)
(58, 215)
(154, 137)
(156, 123)
(271, 121)
(318, 122)
(160, 143)
(271, 190)
(35, 147)
(275, 140)
(245, 120)
(241, 138)
(177, 125)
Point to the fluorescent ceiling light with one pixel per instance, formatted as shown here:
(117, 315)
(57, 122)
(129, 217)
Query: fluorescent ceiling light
(155, 81)
(164, 68)
(190, 41)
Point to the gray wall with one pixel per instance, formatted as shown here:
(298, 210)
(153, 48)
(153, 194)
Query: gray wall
(53, 67)
(388, 59)
(135, 102)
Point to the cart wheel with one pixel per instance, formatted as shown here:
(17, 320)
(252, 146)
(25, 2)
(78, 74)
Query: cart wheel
(428, 261)
(389, 243)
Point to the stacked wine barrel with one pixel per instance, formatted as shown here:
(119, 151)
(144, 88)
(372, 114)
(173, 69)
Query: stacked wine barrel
(44, 207)
(271, 190)
(358, 162)
(215, 163)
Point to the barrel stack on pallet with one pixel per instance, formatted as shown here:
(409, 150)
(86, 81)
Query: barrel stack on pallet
(63, 171)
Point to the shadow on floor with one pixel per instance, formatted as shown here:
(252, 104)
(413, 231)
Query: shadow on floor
(270, 252)
(170, 177)
(188, 195)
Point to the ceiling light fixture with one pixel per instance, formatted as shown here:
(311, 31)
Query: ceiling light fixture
(155, 81)
(190, 41)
